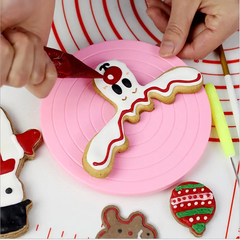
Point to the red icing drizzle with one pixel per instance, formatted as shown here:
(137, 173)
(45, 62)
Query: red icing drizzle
(28, 140)
(7, 165)
(145, 99)
(126, 222)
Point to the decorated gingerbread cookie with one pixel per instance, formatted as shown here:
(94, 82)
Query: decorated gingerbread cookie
(193, 205)
(120, 87)
(135, 226)
(15, 150)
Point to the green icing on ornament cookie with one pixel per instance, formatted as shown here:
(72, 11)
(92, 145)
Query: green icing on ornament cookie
(194, 211)
(199, 227)
(189, 186)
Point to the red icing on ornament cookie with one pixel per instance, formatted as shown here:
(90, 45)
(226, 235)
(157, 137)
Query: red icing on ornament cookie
(193, 205)
(7, 165)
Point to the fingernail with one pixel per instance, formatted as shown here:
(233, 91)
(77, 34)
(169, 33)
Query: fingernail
(166, 49)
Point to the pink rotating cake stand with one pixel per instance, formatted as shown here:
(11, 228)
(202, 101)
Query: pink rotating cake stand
(164, 145)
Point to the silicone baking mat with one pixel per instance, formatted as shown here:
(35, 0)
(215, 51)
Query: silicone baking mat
(164, 145)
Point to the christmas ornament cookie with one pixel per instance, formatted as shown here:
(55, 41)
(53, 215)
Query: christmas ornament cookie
(193, 205)
(15, 149)
(120, 87)
(135, 226)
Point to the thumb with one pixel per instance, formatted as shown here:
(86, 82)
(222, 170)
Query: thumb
(177, 30)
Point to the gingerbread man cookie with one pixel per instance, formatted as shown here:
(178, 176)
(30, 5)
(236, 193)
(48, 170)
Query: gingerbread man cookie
(134, 226)
(15, 150)
(193, 205)
(120, 87)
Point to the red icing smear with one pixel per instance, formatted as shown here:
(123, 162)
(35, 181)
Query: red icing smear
(145, 99)
(7, 165)
(28, 140)
(126, 222)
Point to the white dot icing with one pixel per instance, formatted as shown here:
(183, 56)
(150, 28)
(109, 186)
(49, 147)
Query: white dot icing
(198, 218)
(205, 196)
(191, 197)
(190, 219)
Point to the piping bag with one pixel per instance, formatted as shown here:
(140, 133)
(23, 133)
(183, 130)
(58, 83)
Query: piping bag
(68, 66)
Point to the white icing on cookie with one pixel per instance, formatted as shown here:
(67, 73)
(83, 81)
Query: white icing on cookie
(192, 197)
(10, 149)
(9, 146)
(139, 234)
(11, 189)
(121, 88)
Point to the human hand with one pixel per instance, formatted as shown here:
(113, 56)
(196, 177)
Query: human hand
(193, 29)
(23, 61)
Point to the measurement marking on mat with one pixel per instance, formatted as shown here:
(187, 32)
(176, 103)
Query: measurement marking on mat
(49, 232)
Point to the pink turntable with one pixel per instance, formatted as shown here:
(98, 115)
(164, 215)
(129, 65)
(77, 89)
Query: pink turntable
(164, 146)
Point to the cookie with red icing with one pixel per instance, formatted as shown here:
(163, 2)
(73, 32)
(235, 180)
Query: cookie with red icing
(15, 149)
(193, 205)
(120, 87)
(135, 226)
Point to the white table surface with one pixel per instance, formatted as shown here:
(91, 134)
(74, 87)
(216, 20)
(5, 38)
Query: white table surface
(63, 208)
